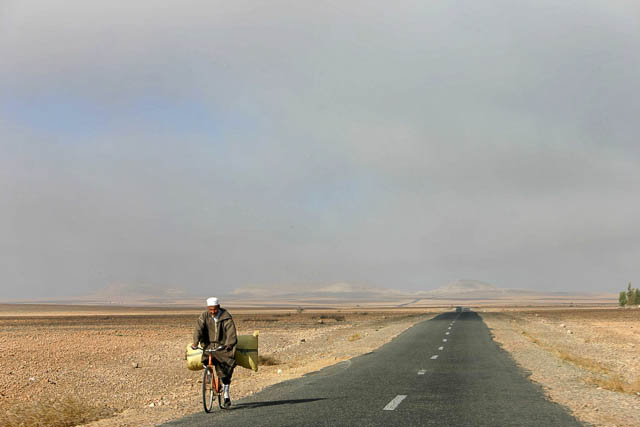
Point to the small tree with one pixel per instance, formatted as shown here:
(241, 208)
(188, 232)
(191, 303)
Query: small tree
(631, 294)
(637, 296)
(622, 299)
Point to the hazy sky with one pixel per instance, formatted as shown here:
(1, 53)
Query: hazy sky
(219, 144)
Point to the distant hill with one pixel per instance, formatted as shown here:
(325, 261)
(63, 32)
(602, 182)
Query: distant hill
(339, 293)
(465, 287)
(346, 293)
(477, 290)
(124, 293)
(468, 289)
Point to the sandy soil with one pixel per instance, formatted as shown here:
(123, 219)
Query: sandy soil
(131, 362)
(586, 359)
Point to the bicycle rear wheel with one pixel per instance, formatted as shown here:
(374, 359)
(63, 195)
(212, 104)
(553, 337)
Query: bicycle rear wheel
(208, 388)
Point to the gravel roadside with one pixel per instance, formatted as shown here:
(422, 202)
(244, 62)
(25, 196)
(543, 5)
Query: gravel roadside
(579, 357)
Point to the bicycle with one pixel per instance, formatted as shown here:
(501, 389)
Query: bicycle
(211, 386)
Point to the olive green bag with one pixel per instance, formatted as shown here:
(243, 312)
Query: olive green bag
(247, 351)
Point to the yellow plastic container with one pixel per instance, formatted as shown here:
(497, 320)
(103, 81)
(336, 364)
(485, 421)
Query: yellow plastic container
(194, 359)
(247, 351)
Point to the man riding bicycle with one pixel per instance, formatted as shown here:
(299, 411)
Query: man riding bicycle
(215, 328)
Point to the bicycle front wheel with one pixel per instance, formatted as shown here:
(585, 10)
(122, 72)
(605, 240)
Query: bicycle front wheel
(208, 388)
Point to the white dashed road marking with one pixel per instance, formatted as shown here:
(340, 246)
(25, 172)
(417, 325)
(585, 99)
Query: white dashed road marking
(440, 348)
(446, 333)
(449, 327)
(444, 340)
(435, 356)
(394, 402)
(422, 372)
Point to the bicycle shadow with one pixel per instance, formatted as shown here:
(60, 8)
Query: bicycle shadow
(251, 405)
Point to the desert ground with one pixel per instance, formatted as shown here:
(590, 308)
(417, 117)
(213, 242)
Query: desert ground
(115, 366)
(108, 366)
(587, 359)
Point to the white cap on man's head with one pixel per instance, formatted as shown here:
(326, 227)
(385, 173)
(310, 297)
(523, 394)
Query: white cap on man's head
(212, 302)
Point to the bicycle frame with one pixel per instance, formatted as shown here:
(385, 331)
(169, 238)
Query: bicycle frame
(211, 387)
(215, 381)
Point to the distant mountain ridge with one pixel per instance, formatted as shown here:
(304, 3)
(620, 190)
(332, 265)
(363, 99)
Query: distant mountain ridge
(464, 286)
(123, 290)
(343, 293)
(342, 289)
(125, 293)
(334, 290)
(464, 289)
(483, 290)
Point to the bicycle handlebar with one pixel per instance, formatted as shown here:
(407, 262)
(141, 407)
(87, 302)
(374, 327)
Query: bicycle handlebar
(214, 349)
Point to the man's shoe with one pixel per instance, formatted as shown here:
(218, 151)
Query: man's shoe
(227, 403)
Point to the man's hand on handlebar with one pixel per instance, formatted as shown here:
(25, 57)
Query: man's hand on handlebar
(194, 347)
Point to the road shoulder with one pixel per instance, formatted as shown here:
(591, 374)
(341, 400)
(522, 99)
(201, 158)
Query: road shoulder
(565, 382)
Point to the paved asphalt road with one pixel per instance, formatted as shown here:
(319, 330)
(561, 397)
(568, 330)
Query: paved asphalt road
(415, 380)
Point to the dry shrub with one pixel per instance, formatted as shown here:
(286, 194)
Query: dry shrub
(583, 362)
(617, 383)
(530, 337)
(613, 384)
(336, 317)
(354, 337)
(66, 411)
(267, 360)
(634, 387)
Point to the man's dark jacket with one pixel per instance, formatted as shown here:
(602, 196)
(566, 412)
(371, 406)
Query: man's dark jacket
(212, 334)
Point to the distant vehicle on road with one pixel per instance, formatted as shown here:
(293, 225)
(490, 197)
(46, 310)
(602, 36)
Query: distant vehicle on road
(466, 309)
(458, 309)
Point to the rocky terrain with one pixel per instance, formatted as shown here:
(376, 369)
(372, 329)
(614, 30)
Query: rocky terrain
(127, 368)
(108, 366)
(586, 359)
